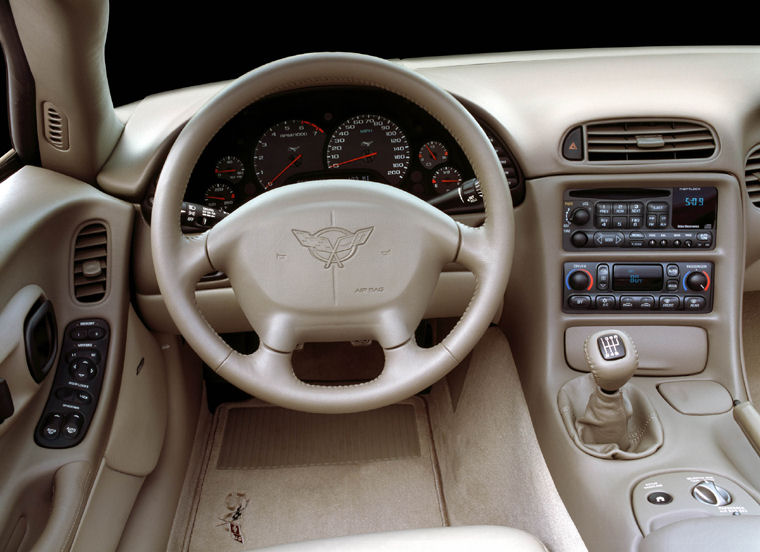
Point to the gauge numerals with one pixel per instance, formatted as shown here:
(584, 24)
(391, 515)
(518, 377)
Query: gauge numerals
(370, 144)
(287, 149)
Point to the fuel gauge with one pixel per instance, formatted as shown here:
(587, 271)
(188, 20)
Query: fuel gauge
(433, 154)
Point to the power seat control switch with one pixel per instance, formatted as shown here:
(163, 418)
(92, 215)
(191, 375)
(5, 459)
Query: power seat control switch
(78, 380)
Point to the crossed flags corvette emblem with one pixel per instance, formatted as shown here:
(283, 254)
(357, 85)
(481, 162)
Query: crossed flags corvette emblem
(333, 245)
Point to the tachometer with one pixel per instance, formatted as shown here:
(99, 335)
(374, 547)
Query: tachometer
(370, 144)
(286, 149)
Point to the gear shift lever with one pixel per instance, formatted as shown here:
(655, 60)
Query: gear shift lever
(611, 357)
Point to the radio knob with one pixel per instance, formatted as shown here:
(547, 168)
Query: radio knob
(580, 217)
(579, 279)
(697, 281)
(579, 239)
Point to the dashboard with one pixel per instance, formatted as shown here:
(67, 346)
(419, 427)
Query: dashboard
(353, 133)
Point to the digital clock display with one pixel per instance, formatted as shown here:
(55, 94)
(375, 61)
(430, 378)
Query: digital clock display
(694, 207)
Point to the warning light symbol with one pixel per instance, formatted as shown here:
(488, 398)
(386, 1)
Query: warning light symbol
(573, 147)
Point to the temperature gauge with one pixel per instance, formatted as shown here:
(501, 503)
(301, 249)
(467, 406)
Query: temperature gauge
(446, 179)
(433, 154)
(219, 196)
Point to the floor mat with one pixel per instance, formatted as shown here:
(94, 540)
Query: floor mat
(273, 476)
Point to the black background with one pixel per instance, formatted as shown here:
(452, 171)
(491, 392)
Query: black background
(152, 49)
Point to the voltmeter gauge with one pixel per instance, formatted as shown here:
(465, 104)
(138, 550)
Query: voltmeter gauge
(433, 154)
(229, 168)
(446, 179)
(219, 196)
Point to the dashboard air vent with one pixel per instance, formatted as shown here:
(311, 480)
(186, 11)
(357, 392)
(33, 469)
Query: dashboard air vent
(56, 126)
(642, 141)
(752, 176)
(90, 263)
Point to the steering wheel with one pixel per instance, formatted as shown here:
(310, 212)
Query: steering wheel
(332, 260)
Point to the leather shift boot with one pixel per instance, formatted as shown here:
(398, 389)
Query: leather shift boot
(606, 419)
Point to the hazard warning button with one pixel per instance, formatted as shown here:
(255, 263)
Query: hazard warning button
(572, 147)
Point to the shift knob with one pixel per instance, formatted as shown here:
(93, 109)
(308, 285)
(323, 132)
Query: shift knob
(612, 358)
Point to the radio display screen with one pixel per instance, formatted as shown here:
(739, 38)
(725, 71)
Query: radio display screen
(694, 208)
(629, 277)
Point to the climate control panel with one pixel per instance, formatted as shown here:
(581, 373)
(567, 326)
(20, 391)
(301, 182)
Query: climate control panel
(637, 287)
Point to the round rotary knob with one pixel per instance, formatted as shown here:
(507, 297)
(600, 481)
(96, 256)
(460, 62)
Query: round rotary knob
(580, 217)
(579, 279)
(697, 281)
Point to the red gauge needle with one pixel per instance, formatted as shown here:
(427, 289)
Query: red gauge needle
(285, 169)
(352, 160)
(431, 153)
(219, 171)
(448, 181)
(219, 198)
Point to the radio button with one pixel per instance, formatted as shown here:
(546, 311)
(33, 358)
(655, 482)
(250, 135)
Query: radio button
(672, 285)
(651, 221)
(672, 271)
(657, 207)
(636, 208)
(619, 222)
(619, 208)
(603, 209)
(662, 221)
(635, 222)
(603, 222)
(579, 302)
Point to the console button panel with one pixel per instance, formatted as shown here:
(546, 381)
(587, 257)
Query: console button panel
(626, 287)
(682, 217)
(76, 389)
(663, 498)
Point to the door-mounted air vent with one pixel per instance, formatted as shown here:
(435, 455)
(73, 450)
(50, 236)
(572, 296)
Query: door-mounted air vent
(752, 176)
(90, 265)
(644, 141)
(56, 126)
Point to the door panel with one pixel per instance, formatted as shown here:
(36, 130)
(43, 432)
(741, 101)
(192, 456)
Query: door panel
(42, 213)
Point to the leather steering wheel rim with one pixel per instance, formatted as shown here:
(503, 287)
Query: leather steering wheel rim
(181, 260)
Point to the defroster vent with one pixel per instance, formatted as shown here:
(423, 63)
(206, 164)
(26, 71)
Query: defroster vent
(90, 265)
(652, 140)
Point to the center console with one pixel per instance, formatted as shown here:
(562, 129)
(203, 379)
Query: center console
(660, 257)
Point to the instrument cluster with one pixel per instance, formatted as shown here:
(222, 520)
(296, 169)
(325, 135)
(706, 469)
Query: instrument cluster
(357, 133)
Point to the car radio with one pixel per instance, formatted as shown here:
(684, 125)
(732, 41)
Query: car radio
(664, 287)
(680, 217)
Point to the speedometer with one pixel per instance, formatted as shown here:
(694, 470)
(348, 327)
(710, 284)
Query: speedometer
(370, 145)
